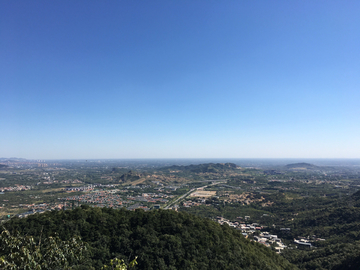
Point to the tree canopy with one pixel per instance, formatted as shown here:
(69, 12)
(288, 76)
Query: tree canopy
(161, 239)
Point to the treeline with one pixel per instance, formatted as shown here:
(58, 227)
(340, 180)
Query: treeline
(330, 218)
(339, 224)
(341, 256)
(337, 220)
(161, 239)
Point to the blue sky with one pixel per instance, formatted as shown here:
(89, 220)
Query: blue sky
(179, 79)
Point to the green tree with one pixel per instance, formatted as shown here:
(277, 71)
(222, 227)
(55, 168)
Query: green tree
(22, 252)
(119, 264)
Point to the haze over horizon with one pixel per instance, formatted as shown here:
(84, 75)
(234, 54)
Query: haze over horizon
(179, 79)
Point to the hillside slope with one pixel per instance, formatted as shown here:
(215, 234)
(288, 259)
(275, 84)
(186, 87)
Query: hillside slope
(161, 239)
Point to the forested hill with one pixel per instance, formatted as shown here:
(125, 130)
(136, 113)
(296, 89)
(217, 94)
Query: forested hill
(303, 165)
(204, 168)
(162, 239)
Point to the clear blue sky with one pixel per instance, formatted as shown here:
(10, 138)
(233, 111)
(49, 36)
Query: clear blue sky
(179, 79)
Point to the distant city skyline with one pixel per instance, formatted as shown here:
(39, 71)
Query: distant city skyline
(179, 79)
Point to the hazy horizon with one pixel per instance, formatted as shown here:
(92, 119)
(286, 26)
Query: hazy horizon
(161, 162)
(181, 79)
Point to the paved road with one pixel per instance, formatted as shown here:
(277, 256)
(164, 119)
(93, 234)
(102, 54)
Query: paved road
(189, 192)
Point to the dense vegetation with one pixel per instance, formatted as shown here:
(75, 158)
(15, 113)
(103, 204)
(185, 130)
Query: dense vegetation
(161, 239)
(336, 220)
(22, 252)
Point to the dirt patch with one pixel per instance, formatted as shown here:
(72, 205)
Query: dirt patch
(52, 190)
(138, 181)
(203, 193)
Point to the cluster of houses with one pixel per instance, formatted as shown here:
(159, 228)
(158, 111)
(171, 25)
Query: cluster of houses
(82, 188)
(15, 188)
(151, 198)
(264, 238)
(97, 199)
(50, 182)
(39, 208)
(192, 203)
(111, 198)
(88, 187)
(306, 242)
(100, 199)
(268, 239)
(31, 212)
(303, 242)
(71, 181)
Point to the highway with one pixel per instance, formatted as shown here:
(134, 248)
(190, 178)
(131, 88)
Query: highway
(191, 191)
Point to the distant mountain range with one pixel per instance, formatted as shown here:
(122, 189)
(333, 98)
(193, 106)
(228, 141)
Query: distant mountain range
(204, 168)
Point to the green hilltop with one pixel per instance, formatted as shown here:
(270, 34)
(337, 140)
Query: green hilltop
(301, 165)
(161, 239)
